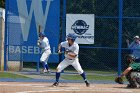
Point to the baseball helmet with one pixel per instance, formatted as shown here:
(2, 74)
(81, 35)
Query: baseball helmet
(41, 34)
(71, 36)
(131, 56)
(136, 37)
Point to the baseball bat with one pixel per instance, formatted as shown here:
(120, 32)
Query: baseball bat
(39, 29)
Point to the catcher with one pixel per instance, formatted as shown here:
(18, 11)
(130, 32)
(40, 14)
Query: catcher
(132, 73)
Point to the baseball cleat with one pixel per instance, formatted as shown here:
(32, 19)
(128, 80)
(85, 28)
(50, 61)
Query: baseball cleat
(48, 71)
(87, 83)
(55, 84)
(131, 86)
(45, 71)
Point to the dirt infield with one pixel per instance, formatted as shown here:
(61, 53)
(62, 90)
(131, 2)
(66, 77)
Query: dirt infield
(28, 87)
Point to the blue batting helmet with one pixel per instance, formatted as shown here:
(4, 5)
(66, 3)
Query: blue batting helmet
(41, 34)
(71, 36)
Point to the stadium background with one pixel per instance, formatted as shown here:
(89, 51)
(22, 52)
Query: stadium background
(115, 21)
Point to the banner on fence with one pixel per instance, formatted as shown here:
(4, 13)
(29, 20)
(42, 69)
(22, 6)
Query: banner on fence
(82, 25)
(23, 20)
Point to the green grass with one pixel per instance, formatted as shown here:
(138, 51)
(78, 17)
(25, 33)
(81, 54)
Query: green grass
(104, 72)
(89, 77)
(100, 75)
(11, 75)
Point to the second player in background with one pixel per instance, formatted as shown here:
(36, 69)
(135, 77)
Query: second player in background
(43, 43)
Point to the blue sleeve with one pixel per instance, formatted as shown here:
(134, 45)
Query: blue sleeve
(131, 45)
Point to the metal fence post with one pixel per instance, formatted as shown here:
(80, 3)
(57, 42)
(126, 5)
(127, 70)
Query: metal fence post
(120, 36)
(63, 26)
(5, 36)
(64, 21)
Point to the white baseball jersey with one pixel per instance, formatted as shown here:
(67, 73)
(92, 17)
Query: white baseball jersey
(45, 43)
(46, 49)
(69, 60)
(73, 49)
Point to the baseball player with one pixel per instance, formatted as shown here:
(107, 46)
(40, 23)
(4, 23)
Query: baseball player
(43, 43)
(71, 58)
(132, 73)
(135, 46)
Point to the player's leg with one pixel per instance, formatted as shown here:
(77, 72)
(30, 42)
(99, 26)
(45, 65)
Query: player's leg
(44, 59)
(78, 67)
(136, 78)
(60, 67)
(131, 80)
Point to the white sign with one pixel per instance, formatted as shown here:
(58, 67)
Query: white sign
(82, 25)
(2, 13)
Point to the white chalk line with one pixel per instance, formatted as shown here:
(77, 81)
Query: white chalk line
(65, 89)
(76, 89)
(68, 90)
(25, 85)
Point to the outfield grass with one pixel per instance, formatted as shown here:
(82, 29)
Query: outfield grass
(11, 75)
(90, 77)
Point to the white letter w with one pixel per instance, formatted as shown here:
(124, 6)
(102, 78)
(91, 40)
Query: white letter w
(25, 18)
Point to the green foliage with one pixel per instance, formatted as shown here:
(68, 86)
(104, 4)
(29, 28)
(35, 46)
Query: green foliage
(2, 3)
(80, 6)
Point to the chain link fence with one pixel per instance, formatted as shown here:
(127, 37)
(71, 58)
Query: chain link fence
(103, 54)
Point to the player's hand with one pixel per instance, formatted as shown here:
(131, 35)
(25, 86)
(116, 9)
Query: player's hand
(59, 52)
(119, 80)
(71, 54)
(67, 51)
(38, 42)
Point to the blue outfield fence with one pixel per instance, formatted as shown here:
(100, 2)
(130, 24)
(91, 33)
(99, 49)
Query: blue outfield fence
(23, 19)
(115, 21)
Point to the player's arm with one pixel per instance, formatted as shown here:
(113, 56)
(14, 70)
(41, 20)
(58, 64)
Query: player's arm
(131, 45)
(127, 42)
(39, 43)
(73, 55)
(126, 71)
(59, 48)
(40, 46)
(61, 45)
